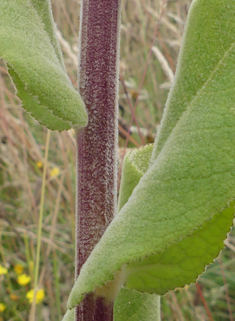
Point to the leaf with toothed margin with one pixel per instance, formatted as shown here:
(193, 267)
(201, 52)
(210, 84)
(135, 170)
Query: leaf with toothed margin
(30, 49)
(178, 215)
(133, 305)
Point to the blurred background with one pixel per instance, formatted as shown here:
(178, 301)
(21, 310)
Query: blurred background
(151, 35)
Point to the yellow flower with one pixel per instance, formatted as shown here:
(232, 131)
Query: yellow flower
(3, 270)
(39, 296)
(55, 171)
(18, 269)
(2, 307)
(23, 279)
(39, 164)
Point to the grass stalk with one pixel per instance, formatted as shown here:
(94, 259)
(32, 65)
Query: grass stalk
(226, 290)
(33, 307)
(204, 302)
(57, 285)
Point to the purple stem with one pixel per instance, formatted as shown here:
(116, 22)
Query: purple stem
(96, 309)
(97, 143)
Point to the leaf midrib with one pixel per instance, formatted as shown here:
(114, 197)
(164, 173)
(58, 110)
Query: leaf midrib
(196, 96)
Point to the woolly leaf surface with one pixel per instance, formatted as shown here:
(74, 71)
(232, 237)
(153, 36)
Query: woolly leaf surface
(132, 305)
(69, 315)
(178, 215)
(43, 9)
(134, 166)
(29, 47)
(135, 306)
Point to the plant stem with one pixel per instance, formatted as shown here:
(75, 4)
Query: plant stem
(97, 143)
(93, 308)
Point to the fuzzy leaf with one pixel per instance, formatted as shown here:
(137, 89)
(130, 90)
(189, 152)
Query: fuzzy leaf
(177, 217)
(29, 47)
(69, 315)
(43, 9)
(135, 306)
(132, 305)
(134, 166)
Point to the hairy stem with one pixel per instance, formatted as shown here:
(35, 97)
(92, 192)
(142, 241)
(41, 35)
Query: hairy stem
(97, 143)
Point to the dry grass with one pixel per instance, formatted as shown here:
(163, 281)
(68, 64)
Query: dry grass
(22, 144)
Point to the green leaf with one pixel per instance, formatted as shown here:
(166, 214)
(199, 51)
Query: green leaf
(30, 49)
(207, 43)
(43, 9)
(134, 166)
(132, 305)
(136, 306)
(177, 217)
(69, 315)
